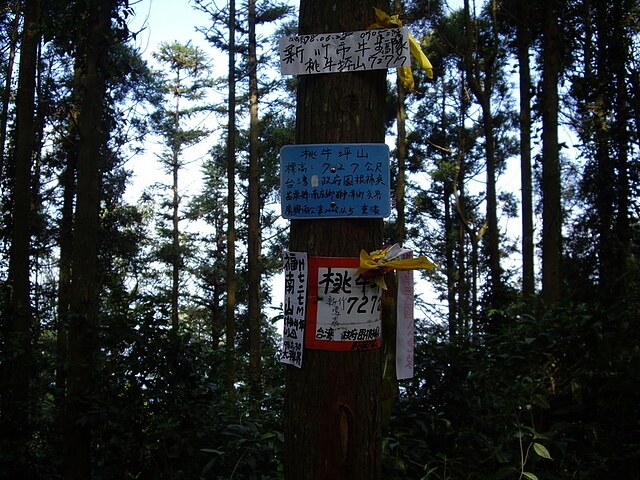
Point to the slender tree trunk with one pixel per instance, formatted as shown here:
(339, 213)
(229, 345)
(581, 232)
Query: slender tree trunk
(401, 155)
(450, 231)
(83, 324)
(611, 136)
(65, 243)
(175, 213)
(255, 235)
(492, 232)
(466, 308)
(621, 139)
(551, 190)
(175, 241)
(480, 75)
(523, 39)
(16, 418)
(68, 183)
(231, 205)
(333, 403)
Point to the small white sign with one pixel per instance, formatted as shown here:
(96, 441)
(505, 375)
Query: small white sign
(295, 304)
(345, 52)
(345, 311)
(349, 307)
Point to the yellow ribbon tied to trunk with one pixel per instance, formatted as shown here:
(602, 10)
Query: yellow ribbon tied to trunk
(406, 77)
(379, 263)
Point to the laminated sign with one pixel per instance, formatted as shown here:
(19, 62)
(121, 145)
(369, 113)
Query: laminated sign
(344, 310)
(335, 180)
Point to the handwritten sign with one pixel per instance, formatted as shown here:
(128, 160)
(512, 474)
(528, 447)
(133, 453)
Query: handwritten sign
(344, 52)
(345, 310)
(335, 180)
(295, 301)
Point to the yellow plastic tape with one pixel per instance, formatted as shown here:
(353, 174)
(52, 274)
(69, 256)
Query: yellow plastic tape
(374, 265)
(406, 77)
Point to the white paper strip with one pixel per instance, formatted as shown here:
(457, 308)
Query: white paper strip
(296, 272)
(405, 324)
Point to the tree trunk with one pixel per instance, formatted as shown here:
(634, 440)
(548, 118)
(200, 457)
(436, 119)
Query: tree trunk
(449, 234)
(231, 205)
(65, 243)
(612, 137)
(480, 75)
(83, 322)
(401, 156)
(551, 190)
(255, 235)
(333, 403)
(523, 40)
(16, 418)
(175, 235)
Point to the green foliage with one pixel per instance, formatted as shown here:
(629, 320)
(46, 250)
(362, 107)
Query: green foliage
(549, 398)
(162, 411)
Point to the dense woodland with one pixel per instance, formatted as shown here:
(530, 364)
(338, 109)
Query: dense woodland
(137, 339)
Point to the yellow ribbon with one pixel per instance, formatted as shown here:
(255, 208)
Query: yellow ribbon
(406, 77)
(375, 265)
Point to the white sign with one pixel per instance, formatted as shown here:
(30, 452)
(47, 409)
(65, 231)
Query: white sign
(404, 330)
(345, 52)
(295, 302)
(348, 311)
(349, 307)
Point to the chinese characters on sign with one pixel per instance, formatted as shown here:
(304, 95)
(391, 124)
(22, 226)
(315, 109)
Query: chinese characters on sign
(344, 52)
(335, 180)
(345, 311)
(295, 301)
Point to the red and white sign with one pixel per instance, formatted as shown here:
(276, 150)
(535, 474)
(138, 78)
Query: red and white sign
(344, 312)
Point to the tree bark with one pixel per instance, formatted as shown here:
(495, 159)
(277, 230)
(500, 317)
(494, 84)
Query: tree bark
(523, 40)
(481, 78)
(83, 324)
(551, 183)
(230, 335)
(333, 403)
(16, 419)
(176, 257)
(255, 235)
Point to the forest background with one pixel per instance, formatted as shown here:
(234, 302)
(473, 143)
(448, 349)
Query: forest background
(137, 336)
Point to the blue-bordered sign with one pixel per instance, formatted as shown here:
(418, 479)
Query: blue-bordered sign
(335, 180)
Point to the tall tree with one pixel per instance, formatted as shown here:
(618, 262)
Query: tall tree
(521, 23)
(523, 44)
(551, 173)
(333, 404)
(231, 202)
(401, 151)
(83, 324)
(481, 56)
(607, 179)
(17, 409)
(254, 234)
(187, 89)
